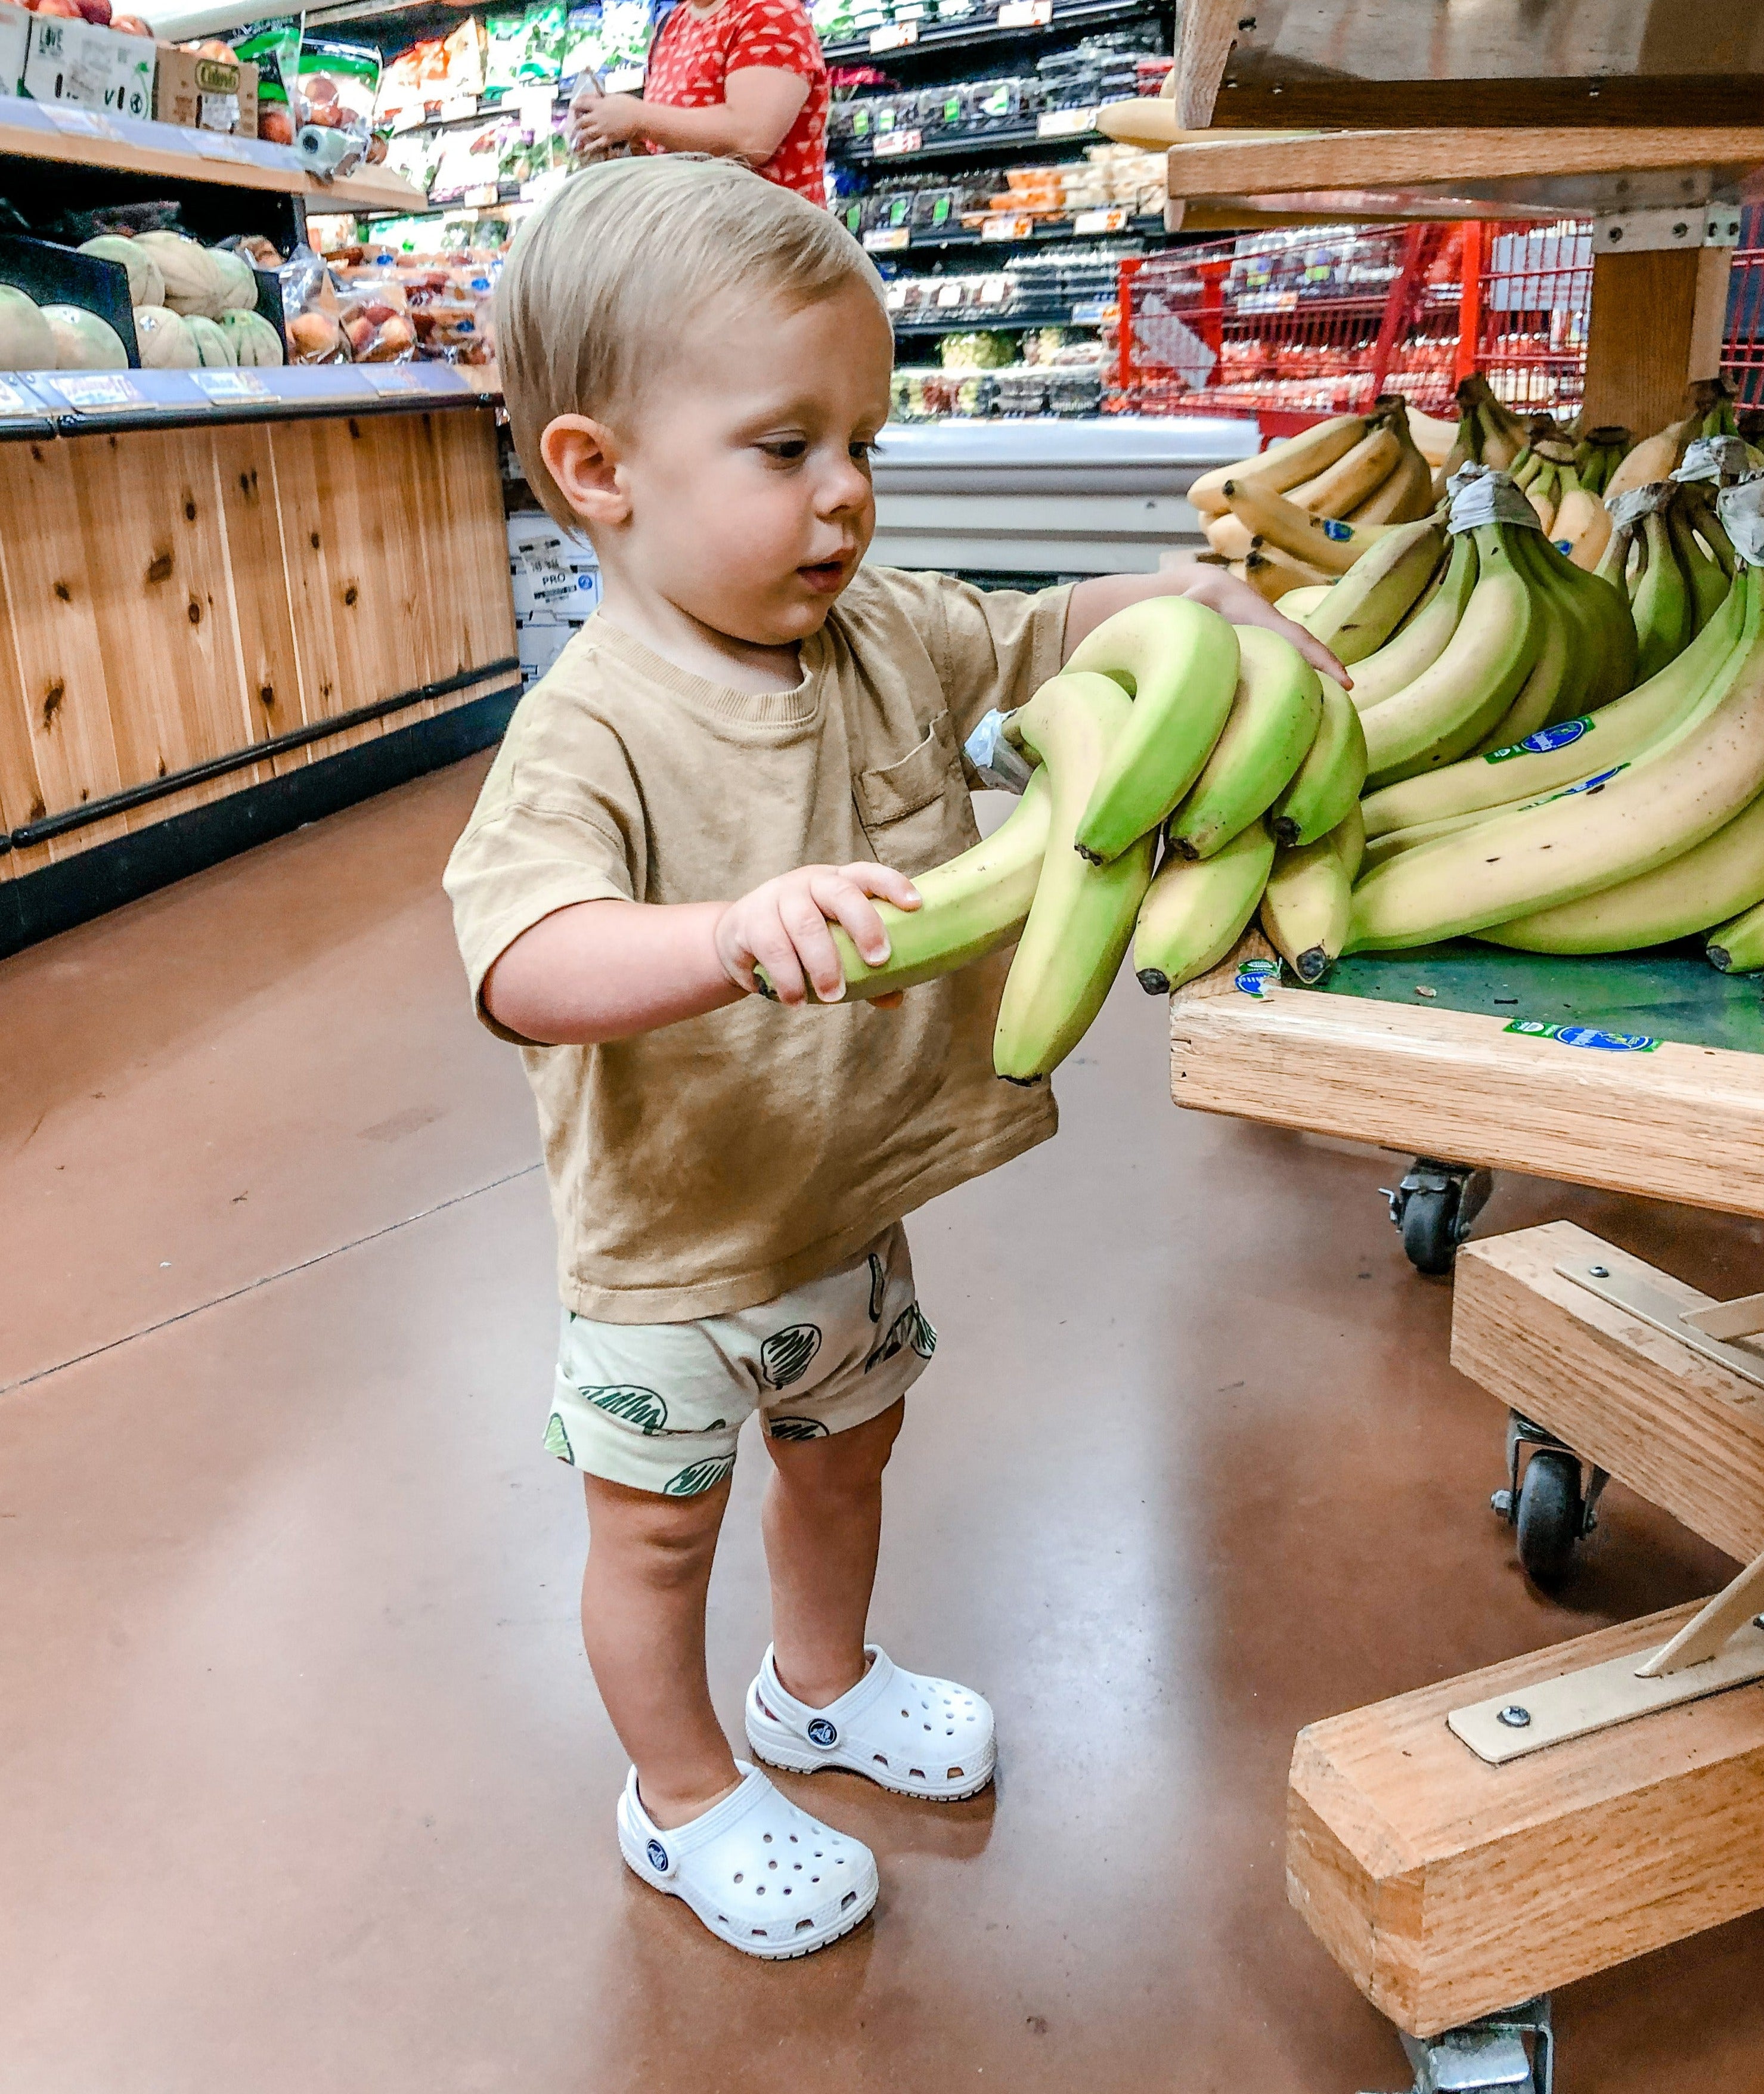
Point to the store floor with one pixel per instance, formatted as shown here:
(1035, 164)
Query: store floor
(306, 1786)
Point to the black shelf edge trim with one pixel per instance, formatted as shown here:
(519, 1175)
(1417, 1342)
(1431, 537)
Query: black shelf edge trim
(974, 146)
(981, 37)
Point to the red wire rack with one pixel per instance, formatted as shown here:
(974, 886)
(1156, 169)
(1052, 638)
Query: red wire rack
(1742, 353)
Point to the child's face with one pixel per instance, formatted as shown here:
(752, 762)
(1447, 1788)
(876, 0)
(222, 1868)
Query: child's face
(745, 477)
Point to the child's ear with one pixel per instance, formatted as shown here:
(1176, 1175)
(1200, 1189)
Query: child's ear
(582, 457)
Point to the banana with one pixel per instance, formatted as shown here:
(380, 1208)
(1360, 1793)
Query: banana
(1362, 610)
(1738, 948)
(1309, 902)
(1654, 457)
(1282, 465)
(1710, 883)
(1405, 496)
(1352, 479)
(1228, 535)
(1197, 910)
(1687, 786)
(1708, 583)
(1298, 604)
(1178, 661)
(1560, 628)
(1499, 435)
(1272, 573)
(1448, 708)
(1323, 542)
(968, 906)
(1662, 604)
(1328, 783)
(1541, 491)
(1602, 742)
(1611, 627)
(1424, 637)
(1700, 511)
(1395, 841)
(1274, 720)
(1082, 916)
(1432, 438)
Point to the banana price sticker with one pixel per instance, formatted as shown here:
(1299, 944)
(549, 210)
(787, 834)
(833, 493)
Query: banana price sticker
(1584, 1035)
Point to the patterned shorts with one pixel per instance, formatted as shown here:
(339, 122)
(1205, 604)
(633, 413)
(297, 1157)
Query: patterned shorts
(659, 1406)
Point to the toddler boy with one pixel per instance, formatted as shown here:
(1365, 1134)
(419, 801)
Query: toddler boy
(753, 737)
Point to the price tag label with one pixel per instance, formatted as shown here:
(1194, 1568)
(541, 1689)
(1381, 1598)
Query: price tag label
(393, 380)
(1065, 123)
(458, 105)
(484, 192)
(80, 123)
(625, 80)
(231, 385)
(1093, 312)
(218, 145)
(894, 36)
(1114, 220)
(894, 143)
(533, 106)
(952, 294)
(12, 401)
(410, 118)
(888, 239)
(1025, 14)
(97, 389)
(1007, 225)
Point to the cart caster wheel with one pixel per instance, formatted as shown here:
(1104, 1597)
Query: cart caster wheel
(1434, 1207)
(1550, 1517)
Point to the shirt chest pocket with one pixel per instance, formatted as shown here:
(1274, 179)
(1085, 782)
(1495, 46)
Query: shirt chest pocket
(915, 811)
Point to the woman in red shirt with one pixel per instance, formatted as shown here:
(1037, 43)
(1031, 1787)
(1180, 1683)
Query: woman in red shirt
(742, 79)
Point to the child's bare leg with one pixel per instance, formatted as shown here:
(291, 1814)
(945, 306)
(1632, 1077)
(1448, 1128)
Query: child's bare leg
(643, 1612)
(823, 1524)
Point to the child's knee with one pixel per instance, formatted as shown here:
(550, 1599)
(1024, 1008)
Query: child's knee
(665, 1540)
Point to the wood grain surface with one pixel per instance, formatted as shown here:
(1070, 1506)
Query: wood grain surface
(1446, 1888)
(1672, 1424)
(1656, 325)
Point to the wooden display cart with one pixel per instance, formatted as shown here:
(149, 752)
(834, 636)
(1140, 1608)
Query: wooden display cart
(1450, 1887)
(229, 602)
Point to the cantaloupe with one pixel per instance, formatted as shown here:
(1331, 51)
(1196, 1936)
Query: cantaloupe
(238, 280)
(192, 284)
(84, 341)
(212, 346)
(252, 338)
(146, 286)
(166, 341)
(26, 343)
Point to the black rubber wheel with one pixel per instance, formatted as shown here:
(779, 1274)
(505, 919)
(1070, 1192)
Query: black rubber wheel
(1430, 1230)
(1548, 1521)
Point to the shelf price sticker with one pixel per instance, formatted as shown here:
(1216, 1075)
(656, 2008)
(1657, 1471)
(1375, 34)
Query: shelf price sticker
(1007, 225)
(1025, 14)
(80, 123)
(1583, 1036)
(222, 387)
(1065, 123)
(394, 380)
(888, 239)
(893, 143)
(86, 389)
(12, 401)
(893, 37)
(1111, 219)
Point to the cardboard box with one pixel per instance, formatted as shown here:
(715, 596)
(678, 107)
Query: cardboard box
(15, 47)
(555, 574)
(206, 94)
(68, 60)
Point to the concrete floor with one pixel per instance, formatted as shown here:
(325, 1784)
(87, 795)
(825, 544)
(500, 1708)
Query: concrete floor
(306, 1786)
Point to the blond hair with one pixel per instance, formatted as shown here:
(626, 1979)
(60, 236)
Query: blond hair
(626, 259)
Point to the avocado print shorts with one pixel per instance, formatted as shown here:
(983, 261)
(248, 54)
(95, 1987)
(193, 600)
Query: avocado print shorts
(659, 1406)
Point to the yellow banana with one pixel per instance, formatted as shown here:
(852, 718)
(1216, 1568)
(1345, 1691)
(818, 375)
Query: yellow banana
(1352, 478)
(1328, 783)
(1432, 438)
(1309, 902)
(1363, 608)
(1274, 720)
(1559, 627)
(1654, 457)
(1394, 842)
(1197, 910)
(1082, 915)
(1403, 497)
(1298, 604)
(1272, 573)
(1228, 535)
(1738, 948)
(1322, 541)
(1282, 465)
(1424, 637)
(1708, 582)
(1661, 604)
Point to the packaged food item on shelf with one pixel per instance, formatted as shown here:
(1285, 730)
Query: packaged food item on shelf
(274, 49)
(505, 36)
(541, 56)
(338, 82)
(584, 42)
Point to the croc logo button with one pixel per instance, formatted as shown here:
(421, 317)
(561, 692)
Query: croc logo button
(822, 1733)
(658, 1854)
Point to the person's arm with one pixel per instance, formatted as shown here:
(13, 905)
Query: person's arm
(608, 969)
(1093, 600)
(760, 104)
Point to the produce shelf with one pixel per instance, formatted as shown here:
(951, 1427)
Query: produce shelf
(1006, 319)
(1642, 1073)
(979, 145)
(123, 145)
(938, 40)
(37, 403)
(1046, 232)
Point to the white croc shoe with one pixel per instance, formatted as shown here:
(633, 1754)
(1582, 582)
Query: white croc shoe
(763, 1875)
(915, 1735)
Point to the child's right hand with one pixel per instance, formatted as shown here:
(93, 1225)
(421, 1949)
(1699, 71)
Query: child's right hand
(782, 927)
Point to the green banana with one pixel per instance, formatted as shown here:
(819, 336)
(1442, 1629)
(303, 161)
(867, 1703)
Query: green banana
(1710, 883)
(1178, 661)
(1197, 910)
(1273, 722)
(1691, 782)
(1332, 777)
(1608, 604)
(1309, 902)
(1082, 915)
(1563, 755)
(968, 906)
(1705, 521)
(1560, 625)
(1738, 948)
(1661, 601)
(1424, 637)
(1362, 609)
(1448, 708)
(1708, 582)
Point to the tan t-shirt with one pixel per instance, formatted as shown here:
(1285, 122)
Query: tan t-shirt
(707, 1167)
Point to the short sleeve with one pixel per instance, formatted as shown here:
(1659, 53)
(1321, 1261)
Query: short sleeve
(990, 648)
(775, 34)
(547, 832)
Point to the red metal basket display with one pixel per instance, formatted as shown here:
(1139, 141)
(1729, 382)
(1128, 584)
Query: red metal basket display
(1742, 354)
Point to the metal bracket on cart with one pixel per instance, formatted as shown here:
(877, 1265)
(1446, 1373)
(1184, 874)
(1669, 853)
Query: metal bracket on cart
(1434, 1207)
(1549, 1506)
(1513, 2053)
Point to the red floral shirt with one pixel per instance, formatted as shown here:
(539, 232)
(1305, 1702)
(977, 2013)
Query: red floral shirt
(692, 57)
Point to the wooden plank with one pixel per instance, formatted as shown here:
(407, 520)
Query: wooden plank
(1681, 1124)
(1258, 98)
(268, 659)
(1446, 1889)
(1229, 165)
(1206, 31)
(477, 612)
(1656, 325)
(1671, 1424)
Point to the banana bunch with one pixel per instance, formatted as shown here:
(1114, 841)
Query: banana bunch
(1597, 455)
(1488, 432)
(1709, 412)
(1169, 728)
(1631, 825)
(1671, 556)
(1574, 518)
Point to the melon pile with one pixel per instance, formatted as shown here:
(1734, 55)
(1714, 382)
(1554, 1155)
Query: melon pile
(193, 305)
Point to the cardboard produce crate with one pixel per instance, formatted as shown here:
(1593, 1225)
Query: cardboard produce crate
(204, 94)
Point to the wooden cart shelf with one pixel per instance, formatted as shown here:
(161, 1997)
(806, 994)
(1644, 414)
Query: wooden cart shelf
(1682, 1120)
